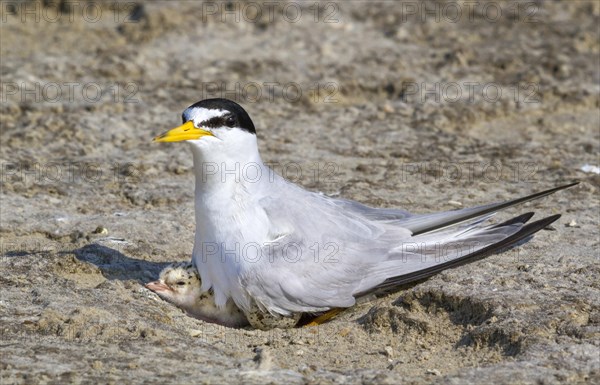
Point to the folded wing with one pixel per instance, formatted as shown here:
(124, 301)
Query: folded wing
(341, 250)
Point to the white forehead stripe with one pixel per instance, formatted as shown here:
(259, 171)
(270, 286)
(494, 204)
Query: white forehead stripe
(199, 114)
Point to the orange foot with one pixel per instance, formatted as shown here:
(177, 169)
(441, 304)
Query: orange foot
(325, 317)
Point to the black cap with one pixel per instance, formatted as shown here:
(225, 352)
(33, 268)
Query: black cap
(238, 117)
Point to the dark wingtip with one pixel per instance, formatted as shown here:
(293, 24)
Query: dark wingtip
(566, 186)
(523, 218)
(498, 247)
(544, 222)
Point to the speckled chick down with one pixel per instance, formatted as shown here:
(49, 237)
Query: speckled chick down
(179, 283)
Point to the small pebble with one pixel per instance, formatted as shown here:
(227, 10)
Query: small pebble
(389, 351)
(101, 230)
(434, 372)
(524, 267)
(263, 359)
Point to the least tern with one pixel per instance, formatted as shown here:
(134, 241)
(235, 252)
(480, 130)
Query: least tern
(278, 250)
(180, 284)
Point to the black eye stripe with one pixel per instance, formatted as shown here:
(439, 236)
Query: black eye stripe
(218, 121)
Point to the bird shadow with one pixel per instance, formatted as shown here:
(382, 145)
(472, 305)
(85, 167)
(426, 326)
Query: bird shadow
(114, 265)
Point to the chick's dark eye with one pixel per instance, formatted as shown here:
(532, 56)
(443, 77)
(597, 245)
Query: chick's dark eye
(180, 283)
(230, 121)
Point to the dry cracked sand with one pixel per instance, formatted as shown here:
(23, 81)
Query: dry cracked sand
(403, 104)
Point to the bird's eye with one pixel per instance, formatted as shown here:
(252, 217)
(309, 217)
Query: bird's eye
(230, 121)
(180, 283)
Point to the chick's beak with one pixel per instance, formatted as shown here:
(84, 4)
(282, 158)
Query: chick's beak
(186, 131)
(157, 286)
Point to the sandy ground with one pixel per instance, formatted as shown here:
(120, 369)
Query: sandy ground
(388, 103)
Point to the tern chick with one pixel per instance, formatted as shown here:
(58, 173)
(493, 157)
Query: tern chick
(179, 283)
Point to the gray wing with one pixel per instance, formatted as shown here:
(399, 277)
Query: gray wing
(328, 251)
(372, 213)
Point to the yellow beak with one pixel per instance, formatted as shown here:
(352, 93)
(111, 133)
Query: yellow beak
(186, 131)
